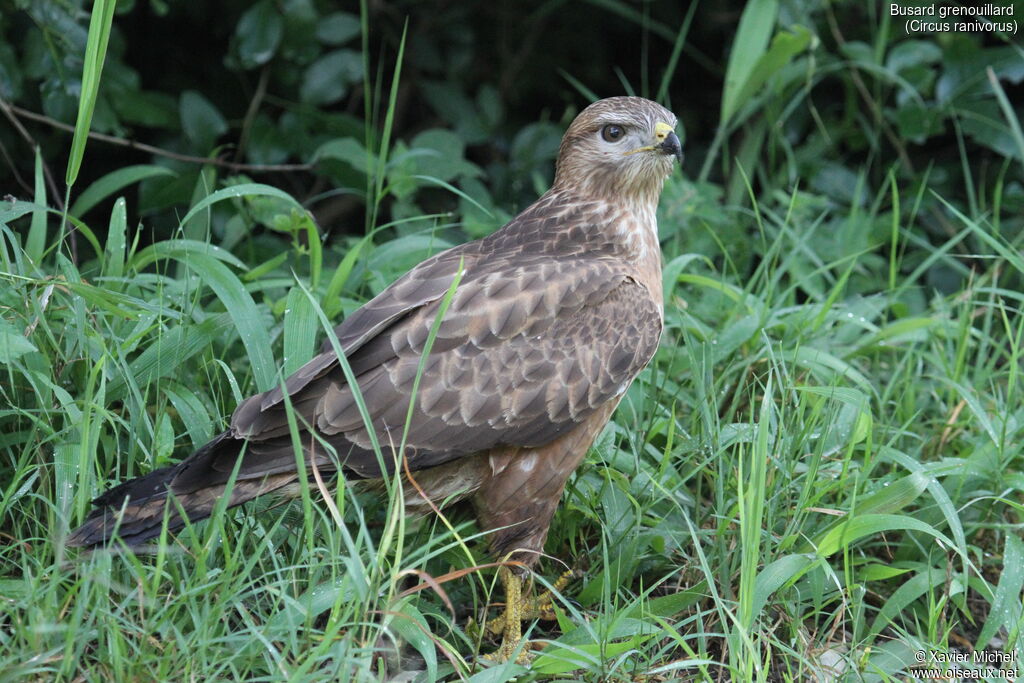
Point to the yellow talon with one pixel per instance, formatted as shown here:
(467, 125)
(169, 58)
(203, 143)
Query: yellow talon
(518, 608)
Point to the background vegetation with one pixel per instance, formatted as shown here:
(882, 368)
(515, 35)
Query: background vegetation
(819, 476)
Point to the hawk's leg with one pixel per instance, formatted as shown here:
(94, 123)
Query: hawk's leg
(537, 607)
(510, 622)
(520, 607)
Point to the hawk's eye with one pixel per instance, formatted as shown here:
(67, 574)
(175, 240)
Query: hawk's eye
(612, 133)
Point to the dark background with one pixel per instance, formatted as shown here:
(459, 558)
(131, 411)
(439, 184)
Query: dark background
(280, 79)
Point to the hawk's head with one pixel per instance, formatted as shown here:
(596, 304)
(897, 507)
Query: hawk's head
(619, 147)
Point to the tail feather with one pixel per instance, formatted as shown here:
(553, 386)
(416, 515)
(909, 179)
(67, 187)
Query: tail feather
(135, 510)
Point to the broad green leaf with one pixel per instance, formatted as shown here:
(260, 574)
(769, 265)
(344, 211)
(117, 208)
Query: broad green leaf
(937, 491)
(1008, 112)
(501, 673)
(666, 606)
(880, 572)
(786, 570)
(894, 496)
(855, 528)
(410, 625)
(114, 182)
(332, 296)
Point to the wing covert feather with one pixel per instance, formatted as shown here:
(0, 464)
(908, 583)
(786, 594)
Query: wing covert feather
(529, 346)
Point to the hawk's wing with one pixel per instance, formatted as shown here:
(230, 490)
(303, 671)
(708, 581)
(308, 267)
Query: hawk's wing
(527, 349)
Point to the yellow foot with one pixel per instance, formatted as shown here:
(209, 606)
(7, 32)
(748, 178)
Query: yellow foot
(518, 608)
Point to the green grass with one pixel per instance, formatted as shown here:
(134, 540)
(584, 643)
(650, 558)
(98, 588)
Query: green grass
(818, 476)
(797, 478)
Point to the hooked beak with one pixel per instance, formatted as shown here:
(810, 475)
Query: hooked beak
(668, 141)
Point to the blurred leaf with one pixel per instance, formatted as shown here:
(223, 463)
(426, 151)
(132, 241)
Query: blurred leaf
(442, 156)
(983, 121)
(895, 495)
(13, 344)
(964, 63)
(910, 53)
(258, 34)
(755, 29)
(349, 150)
(880, 572)
(456, 107)
(337, 28)
(784, 47)
(10, 74)
(235, 191)
(327, 79)
(268, 143)
(152, 109)
(837, 181)
(918, 122)
(1012, 118)
(827, 367)
(200, 120)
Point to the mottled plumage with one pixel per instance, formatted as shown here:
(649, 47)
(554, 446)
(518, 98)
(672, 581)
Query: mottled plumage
(554, 316)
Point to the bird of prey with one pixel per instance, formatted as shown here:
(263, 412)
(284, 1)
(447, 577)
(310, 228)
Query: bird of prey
(552, 318)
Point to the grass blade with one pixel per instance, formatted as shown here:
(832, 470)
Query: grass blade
(111, 183)
(35, 243)
(95, 53)
(300, 331)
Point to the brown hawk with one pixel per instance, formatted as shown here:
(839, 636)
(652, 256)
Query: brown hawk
(553, 317)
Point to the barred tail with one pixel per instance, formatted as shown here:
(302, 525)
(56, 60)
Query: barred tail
(135, 510)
